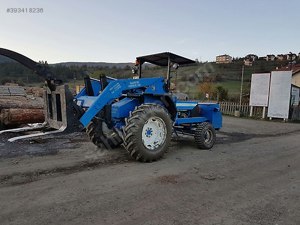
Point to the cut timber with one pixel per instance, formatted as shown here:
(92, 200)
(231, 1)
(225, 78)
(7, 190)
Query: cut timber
(21, 116)
(8, 102)
(35, 91)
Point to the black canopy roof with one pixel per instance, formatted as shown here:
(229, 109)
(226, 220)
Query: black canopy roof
(161, 59)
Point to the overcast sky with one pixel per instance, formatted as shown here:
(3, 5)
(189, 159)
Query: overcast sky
(120, 30)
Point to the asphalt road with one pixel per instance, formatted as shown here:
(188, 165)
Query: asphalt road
(252, 176)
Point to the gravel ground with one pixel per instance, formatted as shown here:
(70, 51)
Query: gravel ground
(251, 176)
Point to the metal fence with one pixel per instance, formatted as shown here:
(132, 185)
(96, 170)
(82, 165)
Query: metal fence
(230, 108)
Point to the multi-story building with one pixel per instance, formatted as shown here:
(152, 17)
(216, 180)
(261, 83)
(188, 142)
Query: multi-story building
(291, 56)
(248, 62)
(223, 59)
(251, 57)
(270, 57)
(281, 57)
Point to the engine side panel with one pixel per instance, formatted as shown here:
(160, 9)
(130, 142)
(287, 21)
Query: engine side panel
(122, 108)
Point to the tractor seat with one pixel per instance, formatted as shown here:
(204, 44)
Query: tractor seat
(195, 112)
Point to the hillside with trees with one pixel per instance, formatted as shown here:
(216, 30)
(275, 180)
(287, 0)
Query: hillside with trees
(221, 81)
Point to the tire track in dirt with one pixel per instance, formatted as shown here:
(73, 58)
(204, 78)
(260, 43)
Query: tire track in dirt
(31, 176)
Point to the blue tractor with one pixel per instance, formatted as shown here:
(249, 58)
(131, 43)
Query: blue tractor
(143, 113)
(140, 114)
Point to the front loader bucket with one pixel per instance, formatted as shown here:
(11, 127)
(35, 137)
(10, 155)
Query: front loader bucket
(60, 109)
(55, 107)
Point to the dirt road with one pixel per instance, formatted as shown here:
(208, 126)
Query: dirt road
(252, 176)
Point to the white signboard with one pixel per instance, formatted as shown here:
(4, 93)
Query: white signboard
(295, 95)
(259, 92)
(280, 93)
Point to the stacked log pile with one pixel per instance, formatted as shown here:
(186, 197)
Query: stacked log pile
(17, 110)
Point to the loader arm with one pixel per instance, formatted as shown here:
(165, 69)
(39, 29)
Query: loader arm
(115, 89)
(39, 68)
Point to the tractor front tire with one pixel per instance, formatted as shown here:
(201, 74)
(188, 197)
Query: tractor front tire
(147, 133)
(205, 136)
(102, 136)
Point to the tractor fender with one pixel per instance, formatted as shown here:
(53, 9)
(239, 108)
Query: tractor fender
(164, 100)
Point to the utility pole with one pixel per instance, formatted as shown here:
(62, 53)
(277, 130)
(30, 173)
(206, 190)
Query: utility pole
(241, 93)
(74, 80)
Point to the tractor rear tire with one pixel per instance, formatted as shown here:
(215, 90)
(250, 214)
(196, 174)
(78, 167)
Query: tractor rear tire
(102, 136)
(205, 135)
(147, 133)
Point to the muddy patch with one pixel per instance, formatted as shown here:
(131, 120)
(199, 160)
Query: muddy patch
(41, 146)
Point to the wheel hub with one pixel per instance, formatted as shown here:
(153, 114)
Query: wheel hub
(149, 132)
(208, 136)
(154, 133)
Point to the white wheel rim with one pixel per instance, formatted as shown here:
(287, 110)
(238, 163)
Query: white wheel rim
(154, 133)
(208, 135)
